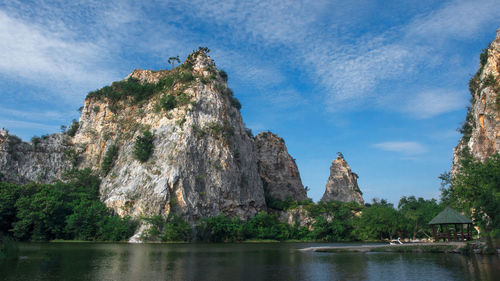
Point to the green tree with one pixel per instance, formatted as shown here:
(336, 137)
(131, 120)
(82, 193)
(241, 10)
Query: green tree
(109, 158)
(475, 189)
(173, 60)
(417, 213)
(378, 221)
(143, 147)
(219, 229)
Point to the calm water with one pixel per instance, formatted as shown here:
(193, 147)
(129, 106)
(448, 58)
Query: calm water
(88, 261)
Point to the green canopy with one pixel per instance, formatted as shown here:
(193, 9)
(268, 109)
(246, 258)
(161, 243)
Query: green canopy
(449, 216)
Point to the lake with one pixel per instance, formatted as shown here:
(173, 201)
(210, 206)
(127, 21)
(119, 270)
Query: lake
(273, 261)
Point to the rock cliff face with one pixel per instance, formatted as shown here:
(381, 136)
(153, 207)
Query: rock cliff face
(203, 163)
(481, 129)
(43, 160)
(342, 184)
(277, 169)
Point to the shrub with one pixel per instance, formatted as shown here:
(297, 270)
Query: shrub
(35, 141)
(182, 99)
(109, 158)
(143, 147)
(167, 102)
(185, 77)
(490, 81)
(236, 103)
(73, 128)
(223, 75)
(176, 229)
(219, 229)
(130, 87)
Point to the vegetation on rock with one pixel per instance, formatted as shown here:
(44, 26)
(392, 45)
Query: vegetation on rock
(143, 147)
(109, 158)
(475, 190)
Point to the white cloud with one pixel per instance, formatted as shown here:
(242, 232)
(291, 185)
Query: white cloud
(434, 102)
(403, 147)
(28, 51)
(457, 19)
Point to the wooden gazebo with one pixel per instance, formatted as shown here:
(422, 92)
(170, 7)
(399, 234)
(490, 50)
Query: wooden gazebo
(449, 226)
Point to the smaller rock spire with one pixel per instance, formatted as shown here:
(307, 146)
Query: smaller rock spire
(342, 185)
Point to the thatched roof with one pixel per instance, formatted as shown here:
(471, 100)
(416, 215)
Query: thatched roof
(451, 216)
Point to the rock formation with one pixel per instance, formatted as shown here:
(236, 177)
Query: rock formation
(481, 129)
(342, 184)
(43, 160)
(203, 164)
(278, 170)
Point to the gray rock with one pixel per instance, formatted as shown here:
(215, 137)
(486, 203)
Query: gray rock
(277, 169)
(342, 185)
(484, 139)
(44, 161)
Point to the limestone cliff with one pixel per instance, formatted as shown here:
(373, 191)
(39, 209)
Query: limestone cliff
(342, 185)
(203, 163)
(277, 169)
(481, 129)
(43, 160)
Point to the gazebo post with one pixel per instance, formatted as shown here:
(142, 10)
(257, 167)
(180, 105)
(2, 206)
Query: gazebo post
(455, 232)
(448, 234)
(461, 232)
(434, 232)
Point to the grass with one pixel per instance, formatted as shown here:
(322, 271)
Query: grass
(417, 249)
(260, 241)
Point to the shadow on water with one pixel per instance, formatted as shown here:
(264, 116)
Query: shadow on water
(280, 261)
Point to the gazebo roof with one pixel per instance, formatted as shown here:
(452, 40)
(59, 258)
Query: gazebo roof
(449, 216)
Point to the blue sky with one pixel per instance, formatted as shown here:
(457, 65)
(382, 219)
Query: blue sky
(384, 82)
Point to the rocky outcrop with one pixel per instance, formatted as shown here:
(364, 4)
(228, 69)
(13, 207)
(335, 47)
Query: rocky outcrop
(43, 160)
(342, 184)
(277, 169)
(481, 129)
(203, 163)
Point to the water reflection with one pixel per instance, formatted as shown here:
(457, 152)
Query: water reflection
(89, 261)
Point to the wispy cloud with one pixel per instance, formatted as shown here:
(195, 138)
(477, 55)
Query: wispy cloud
(403, 147)
(434, 102)
(28, 51)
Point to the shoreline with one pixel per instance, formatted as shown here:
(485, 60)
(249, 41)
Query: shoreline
(439, 247)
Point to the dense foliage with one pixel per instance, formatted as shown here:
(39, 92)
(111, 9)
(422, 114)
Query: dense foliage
(70, 210)
(143, 147)
(109, 158)
(475, 189)
(332, 221)
(73, 128)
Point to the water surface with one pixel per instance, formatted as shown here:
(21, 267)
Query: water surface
(276, 261)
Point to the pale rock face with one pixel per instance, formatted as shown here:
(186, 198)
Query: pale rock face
(204, 163)
(298, 216)
(277, 169)
(45, 161)
(485, 138)
(342, 184)
(195, 170)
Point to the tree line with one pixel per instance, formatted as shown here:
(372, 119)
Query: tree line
(72, 210)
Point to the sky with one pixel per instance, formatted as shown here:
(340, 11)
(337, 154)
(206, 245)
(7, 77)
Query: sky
(383, 82)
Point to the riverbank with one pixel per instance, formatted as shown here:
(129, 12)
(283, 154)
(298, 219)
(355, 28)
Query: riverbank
(443, 247)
